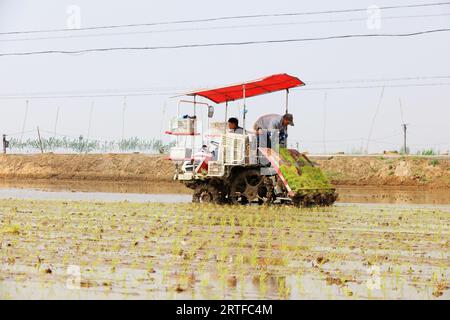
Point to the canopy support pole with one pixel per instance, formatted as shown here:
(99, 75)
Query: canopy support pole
(193, 137)
(195, 104)
(245, 110)
(287, 110)
(287, 100)
(226, 116)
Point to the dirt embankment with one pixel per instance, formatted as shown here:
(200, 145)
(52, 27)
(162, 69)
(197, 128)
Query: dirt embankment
(110, 167)
(392, 171)
(370, 170)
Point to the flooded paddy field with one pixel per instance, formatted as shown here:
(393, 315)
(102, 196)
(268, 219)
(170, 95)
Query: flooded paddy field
(176, 192)
(96, 249)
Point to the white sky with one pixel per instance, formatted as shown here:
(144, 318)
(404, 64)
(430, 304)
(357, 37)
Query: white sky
(349, 112)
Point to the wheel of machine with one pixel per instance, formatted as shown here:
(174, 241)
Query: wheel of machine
(206, 193)
(250, 186)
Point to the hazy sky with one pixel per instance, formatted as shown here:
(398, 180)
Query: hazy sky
(344, 121)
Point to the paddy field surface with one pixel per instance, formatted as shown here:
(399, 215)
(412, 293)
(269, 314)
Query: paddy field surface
(58, 249)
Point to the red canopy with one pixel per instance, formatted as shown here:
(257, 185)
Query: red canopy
(269, 84)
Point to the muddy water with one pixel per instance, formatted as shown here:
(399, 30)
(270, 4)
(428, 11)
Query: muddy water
(33, 194)
(158, 187)
(393, 195)
(176, 192)
(165, 192)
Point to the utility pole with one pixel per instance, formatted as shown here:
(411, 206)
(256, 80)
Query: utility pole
(56, 122)
(40, 140)
(90, 120)
(162, 122)
(5, 143)
(24, 120)
(89, 126)
(123, 117)
(404, 126)
(380, 99)
(324, 123)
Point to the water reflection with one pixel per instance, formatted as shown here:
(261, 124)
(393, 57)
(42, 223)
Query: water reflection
(166, 191)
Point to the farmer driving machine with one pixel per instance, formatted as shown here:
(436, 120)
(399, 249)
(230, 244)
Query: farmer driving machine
(247, 167)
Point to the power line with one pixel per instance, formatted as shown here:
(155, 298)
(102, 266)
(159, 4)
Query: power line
(89, 96)
(272, 15)
(224, 44)
(144, 93)
(220, 27)
(156, 90)
(162, 90)
(377, 86)
(377, 80)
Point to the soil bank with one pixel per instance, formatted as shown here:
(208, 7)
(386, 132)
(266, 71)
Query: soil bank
(374, 170)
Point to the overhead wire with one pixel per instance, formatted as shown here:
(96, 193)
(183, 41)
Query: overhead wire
(224, 44)
(238, 17)
(144, 93)
(210, 28)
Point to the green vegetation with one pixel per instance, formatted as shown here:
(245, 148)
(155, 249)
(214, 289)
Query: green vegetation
(82, 145)
(434, 162)
(289, 158)
(300, 174)
(428, 152)
(310, 178)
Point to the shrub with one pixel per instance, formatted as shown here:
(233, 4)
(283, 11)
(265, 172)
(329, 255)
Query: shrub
(427, 152)
(434, 162)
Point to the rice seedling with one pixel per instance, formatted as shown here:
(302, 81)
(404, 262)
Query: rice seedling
(150, 250)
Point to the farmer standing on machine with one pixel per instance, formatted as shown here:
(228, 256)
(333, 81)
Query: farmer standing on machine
(271, 122)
